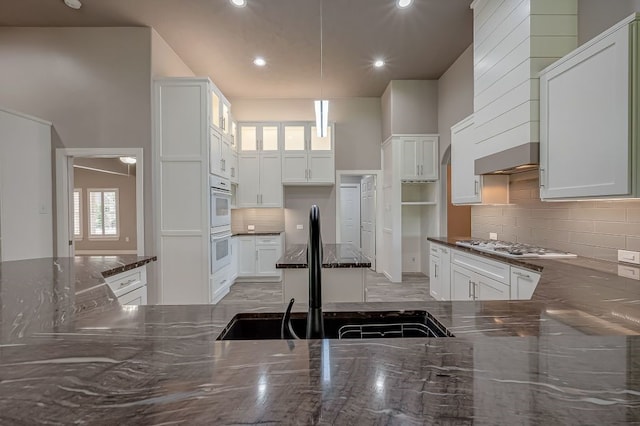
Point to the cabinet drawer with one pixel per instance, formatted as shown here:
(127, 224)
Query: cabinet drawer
(135, 297)
(523, 283)
(219, 282)
(495, 270)
(263, 241)
(127, 281)
(434, 249)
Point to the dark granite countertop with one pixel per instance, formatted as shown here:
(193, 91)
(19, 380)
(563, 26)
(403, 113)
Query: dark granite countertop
(333, 256)
(571, 356)
(249, 233)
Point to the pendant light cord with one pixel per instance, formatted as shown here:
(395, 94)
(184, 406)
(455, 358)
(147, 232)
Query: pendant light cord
(321, 52)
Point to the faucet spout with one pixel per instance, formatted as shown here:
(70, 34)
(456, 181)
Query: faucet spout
(315, 322)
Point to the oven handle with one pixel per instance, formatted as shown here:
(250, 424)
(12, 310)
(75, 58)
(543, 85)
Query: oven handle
(220, 236)
(216, 191)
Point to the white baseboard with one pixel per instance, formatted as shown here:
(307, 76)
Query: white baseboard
(104, 252)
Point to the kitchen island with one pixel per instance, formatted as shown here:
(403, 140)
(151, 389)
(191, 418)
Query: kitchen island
(343, 275)
(562, 358)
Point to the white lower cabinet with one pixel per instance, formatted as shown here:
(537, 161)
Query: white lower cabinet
(458, 275)
(257, 256)
(233, 267)
(130, 287)
(220, 283)
(440, 274)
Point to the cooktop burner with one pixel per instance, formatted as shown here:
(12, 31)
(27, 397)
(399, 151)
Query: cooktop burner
(514, 250)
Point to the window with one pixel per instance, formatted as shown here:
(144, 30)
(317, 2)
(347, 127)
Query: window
(103, 213)
(77, 214)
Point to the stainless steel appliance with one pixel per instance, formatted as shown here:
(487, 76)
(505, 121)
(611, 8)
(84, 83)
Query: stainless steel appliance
(514, 250)
(220, 250)
(220, 203)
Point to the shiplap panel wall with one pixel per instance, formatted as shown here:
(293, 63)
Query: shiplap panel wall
(513, 41)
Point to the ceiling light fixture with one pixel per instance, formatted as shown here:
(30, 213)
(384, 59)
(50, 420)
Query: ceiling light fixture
(322, 105)
(259, 62)
(403, 4)
(128, 160)
(73, 4)
(239, 3)
(378, 63)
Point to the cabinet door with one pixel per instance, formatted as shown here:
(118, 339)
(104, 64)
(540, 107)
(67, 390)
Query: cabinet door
(523, 283)
(233, 267)
(318, 143)
(321, 168)
(294, 167)
(248, 137)
(233, 169)
(296, 136)
(444, 273)
(136, 297)
(410, 154)
(435, 282)
(266, 261)
(428, 151)
(249, 180)
(247, 256)
(585, 122)
(488, 289)
(270, 180)
(465, 184)
(215, 108)
(269, 136)
(461, 279)
(226, 158)
(215, 152)
(226, 112)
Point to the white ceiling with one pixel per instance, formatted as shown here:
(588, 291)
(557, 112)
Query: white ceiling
(216, 39)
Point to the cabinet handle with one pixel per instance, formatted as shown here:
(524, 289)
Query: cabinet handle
(475, 186)
(541, 178)
(444, 251)
(435, 270)
(417, 170)
(128, 282)
(474, 290)
(469, 289)
(522, 275)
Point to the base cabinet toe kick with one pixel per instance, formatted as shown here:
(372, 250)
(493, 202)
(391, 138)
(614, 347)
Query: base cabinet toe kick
(459, 275)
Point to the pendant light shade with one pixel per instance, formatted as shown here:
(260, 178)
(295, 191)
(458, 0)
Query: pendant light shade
(322, 117)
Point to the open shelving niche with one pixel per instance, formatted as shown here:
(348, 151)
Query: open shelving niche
(420, 218)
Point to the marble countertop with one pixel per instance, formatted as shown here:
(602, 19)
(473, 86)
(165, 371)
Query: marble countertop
(333, 256)
(562, 358)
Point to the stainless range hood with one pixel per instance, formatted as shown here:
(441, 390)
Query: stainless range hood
(518, 159)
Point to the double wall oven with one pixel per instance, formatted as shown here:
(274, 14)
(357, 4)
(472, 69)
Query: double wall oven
(220, 199)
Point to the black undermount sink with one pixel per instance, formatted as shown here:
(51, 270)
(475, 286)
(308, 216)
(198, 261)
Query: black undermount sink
(338, 325)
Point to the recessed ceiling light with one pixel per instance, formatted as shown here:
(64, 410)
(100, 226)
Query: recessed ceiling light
(260, 62)
(402, 4)
(73, 4)
(239, 3)
(378, 63)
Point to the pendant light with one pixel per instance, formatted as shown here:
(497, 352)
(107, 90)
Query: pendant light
(322, 105)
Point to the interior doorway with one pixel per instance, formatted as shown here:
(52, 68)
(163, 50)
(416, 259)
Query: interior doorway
(358, 210)
(99, 197)
(456, 220)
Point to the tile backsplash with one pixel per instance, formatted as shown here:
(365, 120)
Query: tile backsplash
(594, 229)
(264, 220)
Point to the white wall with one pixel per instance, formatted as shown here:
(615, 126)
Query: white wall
(595, 16)
(165, 62)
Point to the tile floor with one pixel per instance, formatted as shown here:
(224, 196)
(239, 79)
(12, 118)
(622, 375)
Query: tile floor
(413, 288)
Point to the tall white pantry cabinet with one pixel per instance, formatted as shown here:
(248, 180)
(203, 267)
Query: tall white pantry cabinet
(182, 128)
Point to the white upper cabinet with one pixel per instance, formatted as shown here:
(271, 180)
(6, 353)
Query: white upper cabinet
(307, 159)
(260, 182)
(220, 111)
(215, 152)
(419, 158)
(466, 186)
(589, 118)
(513, 41)
(256, 137)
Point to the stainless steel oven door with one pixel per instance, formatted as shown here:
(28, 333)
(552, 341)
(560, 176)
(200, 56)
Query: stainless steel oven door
(220, 250)
(220, 208)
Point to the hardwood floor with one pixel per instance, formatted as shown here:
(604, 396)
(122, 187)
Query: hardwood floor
(413, 288)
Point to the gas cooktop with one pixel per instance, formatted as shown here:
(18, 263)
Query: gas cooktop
(514, 250)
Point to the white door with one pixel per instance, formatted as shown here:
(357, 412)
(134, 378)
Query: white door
(368, 218)
(266, 261)
(215, 152)
(350, 214)
(294, 167)
(270, 180)
(461, 283)
(321, 168)
(410, 158)
(247, 256)
(465, 184)
(249, 180)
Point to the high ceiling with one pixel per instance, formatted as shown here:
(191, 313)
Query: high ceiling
(217, 39)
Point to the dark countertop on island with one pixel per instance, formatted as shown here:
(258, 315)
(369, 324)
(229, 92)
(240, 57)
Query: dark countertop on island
(333, 256)
(250, 233)
(546, 361)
